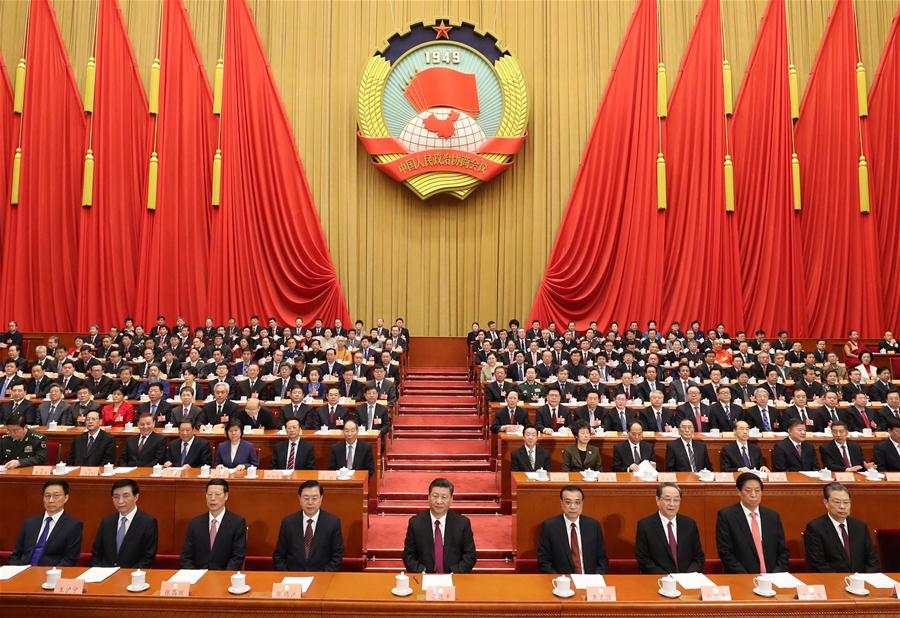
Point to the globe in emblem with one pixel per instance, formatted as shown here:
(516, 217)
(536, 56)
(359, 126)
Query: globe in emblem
(442, 127)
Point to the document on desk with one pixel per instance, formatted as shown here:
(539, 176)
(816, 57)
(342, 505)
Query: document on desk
(879, 580)
(813, 474)
(304, 582)
(692, 581)
(10, 571)
(582, 581)
(124, 470)
(95, 575)
(188, 576)
(785, 580)
(436, 580)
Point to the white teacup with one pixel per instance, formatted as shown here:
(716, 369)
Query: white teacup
(706, 475)
(402, 583)
(856, 583)
(667, 584)
(562, 584)
(867, 431)
(168, 427)
(53, 574)
(138, 578)
(238, 581)
(872, 474)
(248, 429)
(129, 426)
(251, 472)
(590, 474)
(157, 470)
(763, 583)
(715, 432)
(542, 474)
(108, 468)
(60, 467)
(825, 474)
(52, 425)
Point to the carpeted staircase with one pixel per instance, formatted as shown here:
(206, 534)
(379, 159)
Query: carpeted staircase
(438, 432)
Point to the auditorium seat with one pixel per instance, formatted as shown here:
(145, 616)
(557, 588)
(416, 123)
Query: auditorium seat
(888, 540)
(52, 453)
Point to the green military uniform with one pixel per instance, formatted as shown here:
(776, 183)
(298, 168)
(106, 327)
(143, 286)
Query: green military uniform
(530, 393)
(31, 450)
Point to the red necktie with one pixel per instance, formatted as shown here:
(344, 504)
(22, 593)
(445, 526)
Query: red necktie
(438, 548)
(673, 546)
(576, 550)
(757, 541)
(844, 453)
(865, 418)
(846, 539)
(698, 419)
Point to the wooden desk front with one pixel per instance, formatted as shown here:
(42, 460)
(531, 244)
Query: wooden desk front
(621, 504)
(174, 501)
(555, 445)
(351, 595)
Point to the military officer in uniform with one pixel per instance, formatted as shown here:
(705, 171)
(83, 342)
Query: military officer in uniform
(22, 447)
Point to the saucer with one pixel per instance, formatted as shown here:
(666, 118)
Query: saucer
(673, 595)
(770, 593)
(234, 590)
(862, 593)
(397, 593)
(141, 588)
(47, 586)
(564, 595)
(107, 474)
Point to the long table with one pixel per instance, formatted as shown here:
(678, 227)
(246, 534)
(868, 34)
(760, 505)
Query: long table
(507, 444)
(620, 504)
(352, 595)
(263, 439)
(174, 501)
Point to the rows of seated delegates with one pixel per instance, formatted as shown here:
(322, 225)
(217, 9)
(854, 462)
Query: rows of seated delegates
(685, 382)
(254, 376)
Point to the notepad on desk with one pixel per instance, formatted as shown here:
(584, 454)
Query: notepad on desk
(303, 582)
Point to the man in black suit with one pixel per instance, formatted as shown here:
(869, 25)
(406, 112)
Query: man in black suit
(157, 407)
(439, 540)
(39, 383)
(146, 449)
(128, 538)
(68, 380)
(55, 409)
(349, 386)
(746, 531)
(352, 453)
(295, 408)
(741, 455)
(187, 410)
(529, 457)
(841, 455)
(681, 383)
(723, 414)
(628, 454)
(836, 542)
(509, 417)
(94, 447)
(762, 416)
(694, 410)
(890, 410)
(651, 383)
(813, 419)
(256, 415)
(294, 453)
(221, 408)
(550, 417)
(331, 414)
(101, 386)
(667, 542)
(372, 415)
(495, 391)
(887, 453)
(794, 453)
(859, 417)
(188, 451)
(253, 387)
(591, 413)
(854, 386)
(654, 417)
(572, 542)
(217, 539)
(619, 417)
(387, 389)
(310, 540)
(51, 539)
(687, 454)
(17, 404)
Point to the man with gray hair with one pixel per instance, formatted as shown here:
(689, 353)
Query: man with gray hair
(666, 541)
(836, 542)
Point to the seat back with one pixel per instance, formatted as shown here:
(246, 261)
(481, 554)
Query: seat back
(889, 549)
(53, 453)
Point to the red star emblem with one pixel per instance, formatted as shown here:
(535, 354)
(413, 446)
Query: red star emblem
(442, 30)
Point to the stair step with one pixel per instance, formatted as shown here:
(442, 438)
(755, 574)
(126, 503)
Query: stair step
(482, 566)
(448, 400)
(437, 449)
(468, 484)
(437, 421)
(411, 507)
(437, 410)
(437, 466)
(438, 384)
(442, 434)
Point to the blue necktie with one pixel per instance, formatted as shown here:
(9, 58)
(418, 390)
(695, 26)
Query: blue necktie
(765, 417)
(184, 452)
(120, 533)
(39, 548)
(622, 421)
(744, 457)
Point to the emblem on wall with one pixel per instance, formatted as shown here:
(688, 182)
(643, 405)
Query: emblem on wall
(442, 108)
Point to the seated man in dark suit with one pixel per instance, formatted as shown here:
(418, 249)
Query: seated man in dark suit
(813, 420)
(295, 408)
(387, 389)
(750, 537)
(256, 415)
(619, 417)
(655, 418)
(510, 417)
(187, 410)
(891, 409)
(495, 391)
(794, 453)
(887, 453)
(146, 449)
(188, 451)
(94, 447)
(221, 408)
(841, 455)
(439, 540)
(51, 539)
(836, 542)
(858, 416)
(310, 540)
(128, 538)
(331, 414)
(741, 455)
(158, 407)
(667, 542)
(352, 453)
(217, 539)
(687, 454)
(349, 386)
(762, 416)
(628, 454)
(293, 453)
(558, 552)
(529, 457)
(372, 415)
(723, 414)
(694, 410)
(551, 417)
(17, 404)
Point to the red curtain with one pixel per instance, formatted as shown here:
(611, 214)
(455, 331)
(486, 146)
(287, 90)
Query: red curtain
(701, 273)
(107, 255)
(268, 252)
(605, 264)
(884, 158)
(8, 136)
(174, 245)
(842, 269)
(40, 241)
(771, 254)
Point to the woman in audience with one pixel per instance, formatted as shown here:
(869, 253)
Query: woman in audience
(119, 412)
(487, 369)
(236, 452)
(831, 384)
(581, 455)
(327, 339)
(314, 388)
(866, 368)
(189, 375)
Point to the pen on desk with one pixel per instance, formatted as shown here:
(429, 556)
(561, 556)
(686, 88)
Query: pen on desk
(416, 579)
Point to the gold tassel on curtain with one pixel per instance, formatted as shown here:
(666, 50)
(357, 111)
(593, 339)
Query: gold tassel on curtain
(661, 201)
(16, 175)
(89, 79)
(662, 91)
(217, 178)
(726, 87)
(861, 90)
(794, 88)
(729, 184)
(19, 94)
(153, 103)
(863, 185)
(87, 185)
(152, 178)
(795, 180)
(217, 87)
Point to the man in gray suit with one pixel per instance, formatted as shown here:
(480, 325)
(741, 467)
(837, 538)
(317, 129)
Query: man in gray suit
(56, 409)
